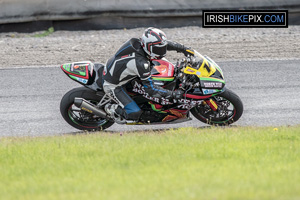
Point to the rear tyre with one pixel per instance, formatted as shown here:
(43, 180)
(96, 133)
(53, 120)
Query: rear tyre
(78, 118)
(230, 109)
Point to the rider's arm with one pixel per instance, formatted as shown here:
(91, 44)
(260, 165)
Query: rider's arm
(154, 90)
(144, 73)
(174, 46)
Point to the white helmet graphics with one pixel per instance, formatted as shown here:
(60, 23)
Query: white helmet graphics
(154, 43)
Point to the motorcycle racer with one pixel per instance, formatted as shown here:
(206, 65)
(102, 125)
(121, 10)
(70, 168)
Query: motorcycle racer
(133, 60)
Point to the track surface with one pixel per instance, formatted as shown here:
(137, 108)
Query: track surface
(30, 97)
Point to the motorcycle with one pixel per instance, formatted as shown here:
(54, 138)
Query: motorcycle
(205, 95)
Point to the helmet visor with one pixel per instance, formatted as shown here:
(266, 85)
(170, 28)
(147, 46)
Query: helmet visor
(159, 49)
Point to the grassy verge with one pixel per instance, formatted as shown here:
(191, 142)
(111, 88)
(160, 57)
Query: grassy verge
(213, 163)
(45, 33)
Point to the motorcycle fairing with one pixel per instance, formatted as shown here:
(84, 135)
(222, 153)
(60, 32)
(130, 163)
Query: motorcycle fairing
(82, 72)
(210, 75)
(174, 114)
(162, 106)
(169, 115)
(218, 69)
(211, 83)
(162, 70)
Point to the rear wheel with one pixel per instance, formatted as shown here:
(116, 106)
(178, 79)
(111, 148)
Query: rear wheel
(81, 119)
(230, 109)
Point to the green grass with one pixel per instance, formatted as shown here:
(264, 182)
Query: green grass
(211, 163)
(45, 33)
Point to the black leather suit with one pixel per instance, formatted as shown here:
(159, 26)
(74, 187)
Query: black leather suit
(130, 62)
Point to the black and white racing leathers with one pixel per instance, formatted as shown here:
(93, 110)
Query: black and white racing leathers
(130, 62)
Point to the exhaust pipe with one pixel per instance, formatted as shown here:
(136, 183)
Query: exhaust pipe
(88, 107)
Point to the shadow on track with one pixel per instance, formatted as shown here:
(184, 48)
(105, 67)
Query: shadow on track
(145, 131)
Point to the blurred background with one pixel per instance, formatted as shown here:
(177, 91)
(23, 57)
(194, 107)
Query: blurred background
(36, 15)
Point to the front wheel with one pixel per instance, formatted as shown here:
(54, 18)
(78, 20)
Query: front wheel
(81, 119)
(230, 109)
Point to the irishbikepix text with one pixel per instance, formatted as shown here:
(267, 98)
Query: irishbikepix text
(245, 19)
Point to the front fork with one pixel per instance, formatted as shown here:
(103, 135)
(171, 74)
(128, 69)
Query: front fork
(212, 104)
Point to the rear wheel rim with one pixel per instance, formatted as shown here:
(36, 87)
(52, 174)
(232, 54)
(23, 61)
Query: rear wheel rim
(85, 119)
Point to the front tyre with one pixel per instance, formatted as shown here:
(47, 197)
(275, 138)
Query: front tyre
(230, 109)
(78, 118)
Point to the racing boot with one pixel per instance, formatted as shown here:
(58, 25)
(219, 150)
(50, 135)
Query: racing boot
(111, 109)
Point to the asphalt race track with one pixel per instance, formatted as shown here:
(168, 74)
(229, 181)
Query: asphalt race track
(30, 97)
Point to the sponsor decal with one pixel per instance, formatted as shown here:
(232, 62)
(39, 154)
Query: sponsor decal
(184, 103)
(190, 70)
(188, 104)
(84, 81)
(209, 91)
(138, 88)
(87, 110)
(213, 84)
(245, 18)
(79, 67)
(170, 70)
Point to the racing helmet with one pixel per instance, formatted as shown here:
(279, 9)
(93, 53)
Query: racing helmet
(154, 43)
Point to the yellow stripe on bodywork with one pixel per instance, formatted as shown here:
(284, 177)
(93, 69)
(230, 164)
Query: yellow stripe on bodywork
(190, 51)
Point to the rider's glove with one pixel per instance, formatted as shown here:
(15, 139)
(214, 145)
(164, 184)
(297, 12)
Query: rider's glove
(188, 52)
(178, 94)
